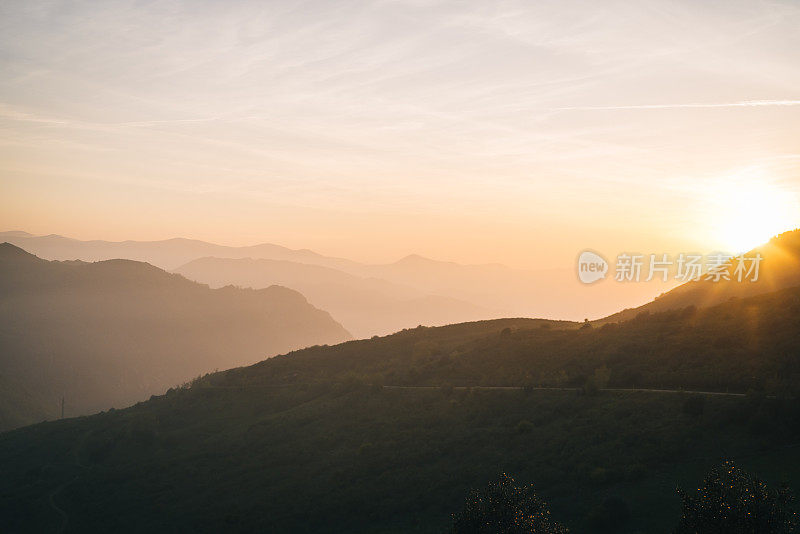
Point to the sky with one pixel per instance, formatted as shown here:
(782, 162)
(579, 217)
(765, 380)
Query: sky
(518, 132)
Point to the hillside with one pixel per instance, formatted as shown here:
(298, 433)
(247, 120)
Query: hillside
(310, 441)
(778, 269)
(114, 332)
(741, 345)
(365, 306)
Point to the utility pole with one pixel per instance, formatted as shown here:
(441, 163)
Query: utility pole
(62, 406)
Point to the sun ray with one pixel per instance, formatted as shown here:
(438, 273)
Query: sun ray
(747, 210)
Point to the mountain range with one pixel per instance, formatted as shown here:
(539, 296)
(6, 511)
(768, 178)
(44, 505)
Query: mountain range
(370, 299)
(114, 332)
(366, 306)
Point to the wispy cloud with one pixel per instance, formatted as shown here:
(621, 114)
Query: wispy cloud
(403, 106)
(742, 104)
(10, 113)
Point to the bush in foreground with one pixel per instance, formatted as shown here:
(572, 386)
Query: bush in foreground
(502, 507)
(732, 501)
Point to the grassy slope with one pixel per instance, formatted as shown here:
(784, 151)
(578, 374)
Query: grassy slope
(302, 443)
(740, 345)
(369, 460)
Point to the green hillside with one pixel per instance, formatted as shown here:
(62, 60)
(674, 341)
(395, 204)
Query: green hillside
(311, 442)
(741, 345)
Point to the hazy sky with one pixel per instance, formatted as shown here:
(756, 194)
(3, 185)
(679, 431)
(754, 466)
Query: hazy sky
(517, 132)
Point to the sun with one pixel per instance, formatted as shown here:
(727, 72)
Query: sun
(748, 211)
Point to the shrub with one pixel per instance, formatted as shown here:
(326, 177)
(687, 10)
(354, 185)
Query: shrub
(732, 501)
(503, 507)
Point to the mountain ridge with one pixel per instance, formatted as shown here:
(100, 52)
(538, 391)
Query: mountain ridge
(111, 333)
(366, 306)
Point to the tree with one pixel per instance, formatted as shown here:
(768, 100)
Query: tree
(732, 501)
(502, 507)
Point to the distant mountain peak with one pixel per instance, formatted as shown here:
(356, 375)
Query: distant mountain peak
(13, 252)
(416, 259)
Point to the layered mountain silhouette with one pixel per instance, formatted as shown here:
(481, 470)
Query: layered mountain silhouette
(167, 254)
(114, 332)
(452, 291)
(365, 306)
